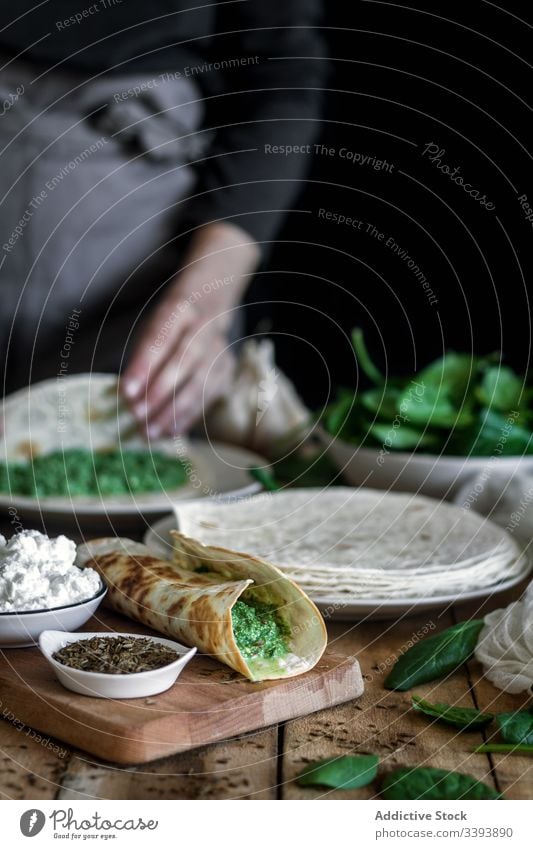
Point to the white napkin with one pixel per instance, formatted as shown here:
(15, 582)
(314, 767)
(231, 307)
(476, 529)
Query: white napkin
(504, 492)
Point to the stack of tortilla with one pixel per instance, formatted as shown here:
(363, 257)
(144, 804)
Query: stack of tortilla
(347, 543)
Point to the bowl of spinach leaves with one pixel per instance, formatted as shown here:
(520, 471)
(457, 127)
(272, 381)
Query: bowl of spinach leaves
(434, 430)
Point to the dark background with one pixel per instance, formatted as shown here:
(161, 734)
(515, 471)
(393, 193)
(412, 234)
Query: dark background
(454, 75)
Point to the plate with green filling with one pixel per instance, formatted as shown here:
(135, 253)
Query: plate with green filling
(71, 448)
(231, 605)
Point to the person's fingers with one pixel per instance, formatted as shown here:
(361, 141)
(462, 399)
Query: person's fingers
(157, 339)
(204, 387)
(172, 376)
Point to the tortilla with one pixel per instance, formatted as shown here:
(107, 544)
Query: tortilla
(76, 411)
(194, 607)
(363, 543)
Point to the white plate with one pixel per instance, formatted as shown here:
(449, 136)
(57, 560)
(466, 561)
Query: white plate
(159, 540)
(439, 476)
(213, 469)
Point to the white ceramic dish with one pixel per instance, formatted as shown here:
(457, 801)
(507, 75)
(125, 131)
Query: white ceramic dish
(427, 474)
(18, 630)
(213, 469)
(158, 539)
(105, 686)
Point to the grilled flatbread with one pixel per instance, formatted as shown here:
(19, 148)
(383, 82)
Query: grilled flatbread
(279, 632)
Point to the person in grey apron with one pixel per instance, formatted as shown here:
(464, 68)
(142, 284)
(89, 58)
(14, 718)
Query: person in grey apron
(130, 224)
(95, 175)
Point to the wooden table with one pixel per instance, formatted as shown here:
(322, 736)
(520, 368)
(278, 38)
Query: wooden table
(264, 765)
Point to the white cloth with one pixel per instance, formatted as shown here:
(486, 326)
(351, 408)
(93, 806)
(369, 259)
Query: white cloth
(503, 491)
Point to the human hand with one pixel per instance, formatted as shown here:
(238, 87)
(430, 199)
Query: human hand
(181, 363)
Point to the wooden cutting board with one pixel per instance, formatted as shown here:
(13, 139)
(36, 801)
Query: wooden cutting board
(208, 702)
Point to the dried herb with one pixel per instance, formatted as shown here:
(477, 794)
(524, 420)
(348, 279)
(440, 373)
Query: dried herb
(115, 655)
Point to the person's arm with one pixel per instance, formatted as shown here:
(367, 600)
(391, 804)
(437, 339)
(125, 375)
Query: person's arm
(181, 364)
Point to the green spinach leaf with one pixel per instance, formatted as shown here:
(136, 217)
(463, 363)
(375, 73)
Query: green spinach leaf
(501, 435)
(516, 727)
(341, 418)
(504, 748)
(363, 358)
(432, 408)
(431, 783)
(453, 375)
(382, 402)
(467, 719)
(344, 773)
(402, 437)
(265, 477)
(500, 389)
(435, 656)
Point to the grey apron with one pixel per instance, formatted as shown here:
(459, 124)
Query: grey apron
(94, 177)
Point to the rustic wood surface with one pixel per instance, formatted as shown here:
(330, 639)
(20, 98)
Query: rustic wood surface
(208, 703)
(264, 765)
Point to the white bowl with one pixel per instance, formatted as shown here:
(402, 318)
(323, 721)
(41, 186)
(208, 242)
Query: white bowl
(18, 630)
(429, 474)
(103, 685)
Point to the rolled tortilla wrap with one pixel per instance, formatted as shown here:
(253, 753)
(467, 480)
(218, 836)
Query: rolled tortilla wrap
(195, 607)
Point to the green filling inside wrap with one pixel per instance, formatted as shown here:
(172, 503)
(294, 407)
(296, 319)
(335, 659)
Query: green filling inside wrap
(259, 630)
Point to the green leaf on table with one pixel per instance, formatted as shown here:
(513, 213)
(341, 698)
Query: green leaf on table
(467, 719)
(516, 727)
(363, 358)
(504, 749)
(431, 783)
(500, 389)
(344, 773)
(435, 656)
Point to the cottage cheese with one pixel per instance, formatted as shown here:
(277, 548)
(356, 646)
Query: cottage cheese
(38, 573)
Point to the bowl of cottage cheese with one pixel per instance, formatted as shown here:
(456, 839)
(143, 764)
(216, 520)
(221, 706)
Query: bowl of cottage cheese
(42, 588)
